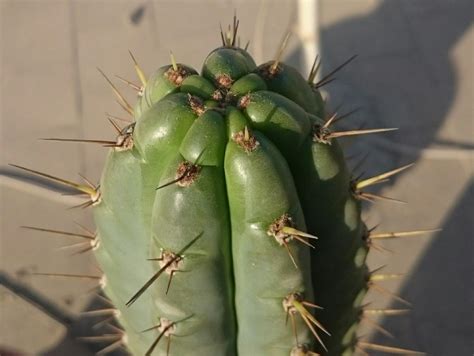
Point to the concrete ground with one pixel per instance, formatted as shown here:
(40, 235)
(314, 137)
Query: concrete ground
(414, 71)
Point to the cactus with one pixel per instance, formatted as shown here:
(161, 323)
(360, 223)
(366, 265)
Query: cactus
(228, 222)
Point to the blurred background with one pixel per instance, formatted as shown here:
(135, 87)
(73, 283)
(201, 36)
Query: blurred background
(413, 71)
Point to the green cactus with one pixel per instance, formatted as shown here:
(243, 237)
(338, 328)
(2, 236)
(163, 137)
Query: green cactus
(227, 217)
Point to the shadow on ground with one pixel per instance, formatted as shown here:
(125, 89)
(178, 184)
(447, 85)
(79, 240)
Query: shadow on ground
(396, 84)
(440, 288)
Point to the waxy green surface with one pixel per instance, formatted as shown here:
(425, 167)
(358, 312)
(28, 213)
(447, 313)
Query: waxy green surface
(226, 297)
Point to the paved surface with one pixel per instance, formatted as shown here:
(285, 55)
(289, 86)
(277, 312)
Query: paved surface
(414, 71)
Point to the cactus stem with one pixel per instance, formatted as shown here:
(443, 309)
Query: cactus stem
(60, 232)
(140, 73)
(388, 349)
(121, 99)
(163, 268)
(314, 69)
(391, 235)
(326, 78)
(91, 191)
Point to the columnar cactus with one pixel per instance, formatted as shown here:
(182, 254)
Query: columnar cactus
(228, 222)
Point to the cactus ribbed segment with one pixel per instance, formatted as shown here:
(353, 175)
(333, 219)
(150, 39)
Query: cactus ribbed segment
(264, 258)
(123, 223)
(200, 283)
(338, 264)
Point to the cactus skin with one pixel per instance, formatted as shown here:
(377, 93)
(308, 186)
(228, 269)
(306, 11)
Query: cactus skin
(216, 160)
(208, 210)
